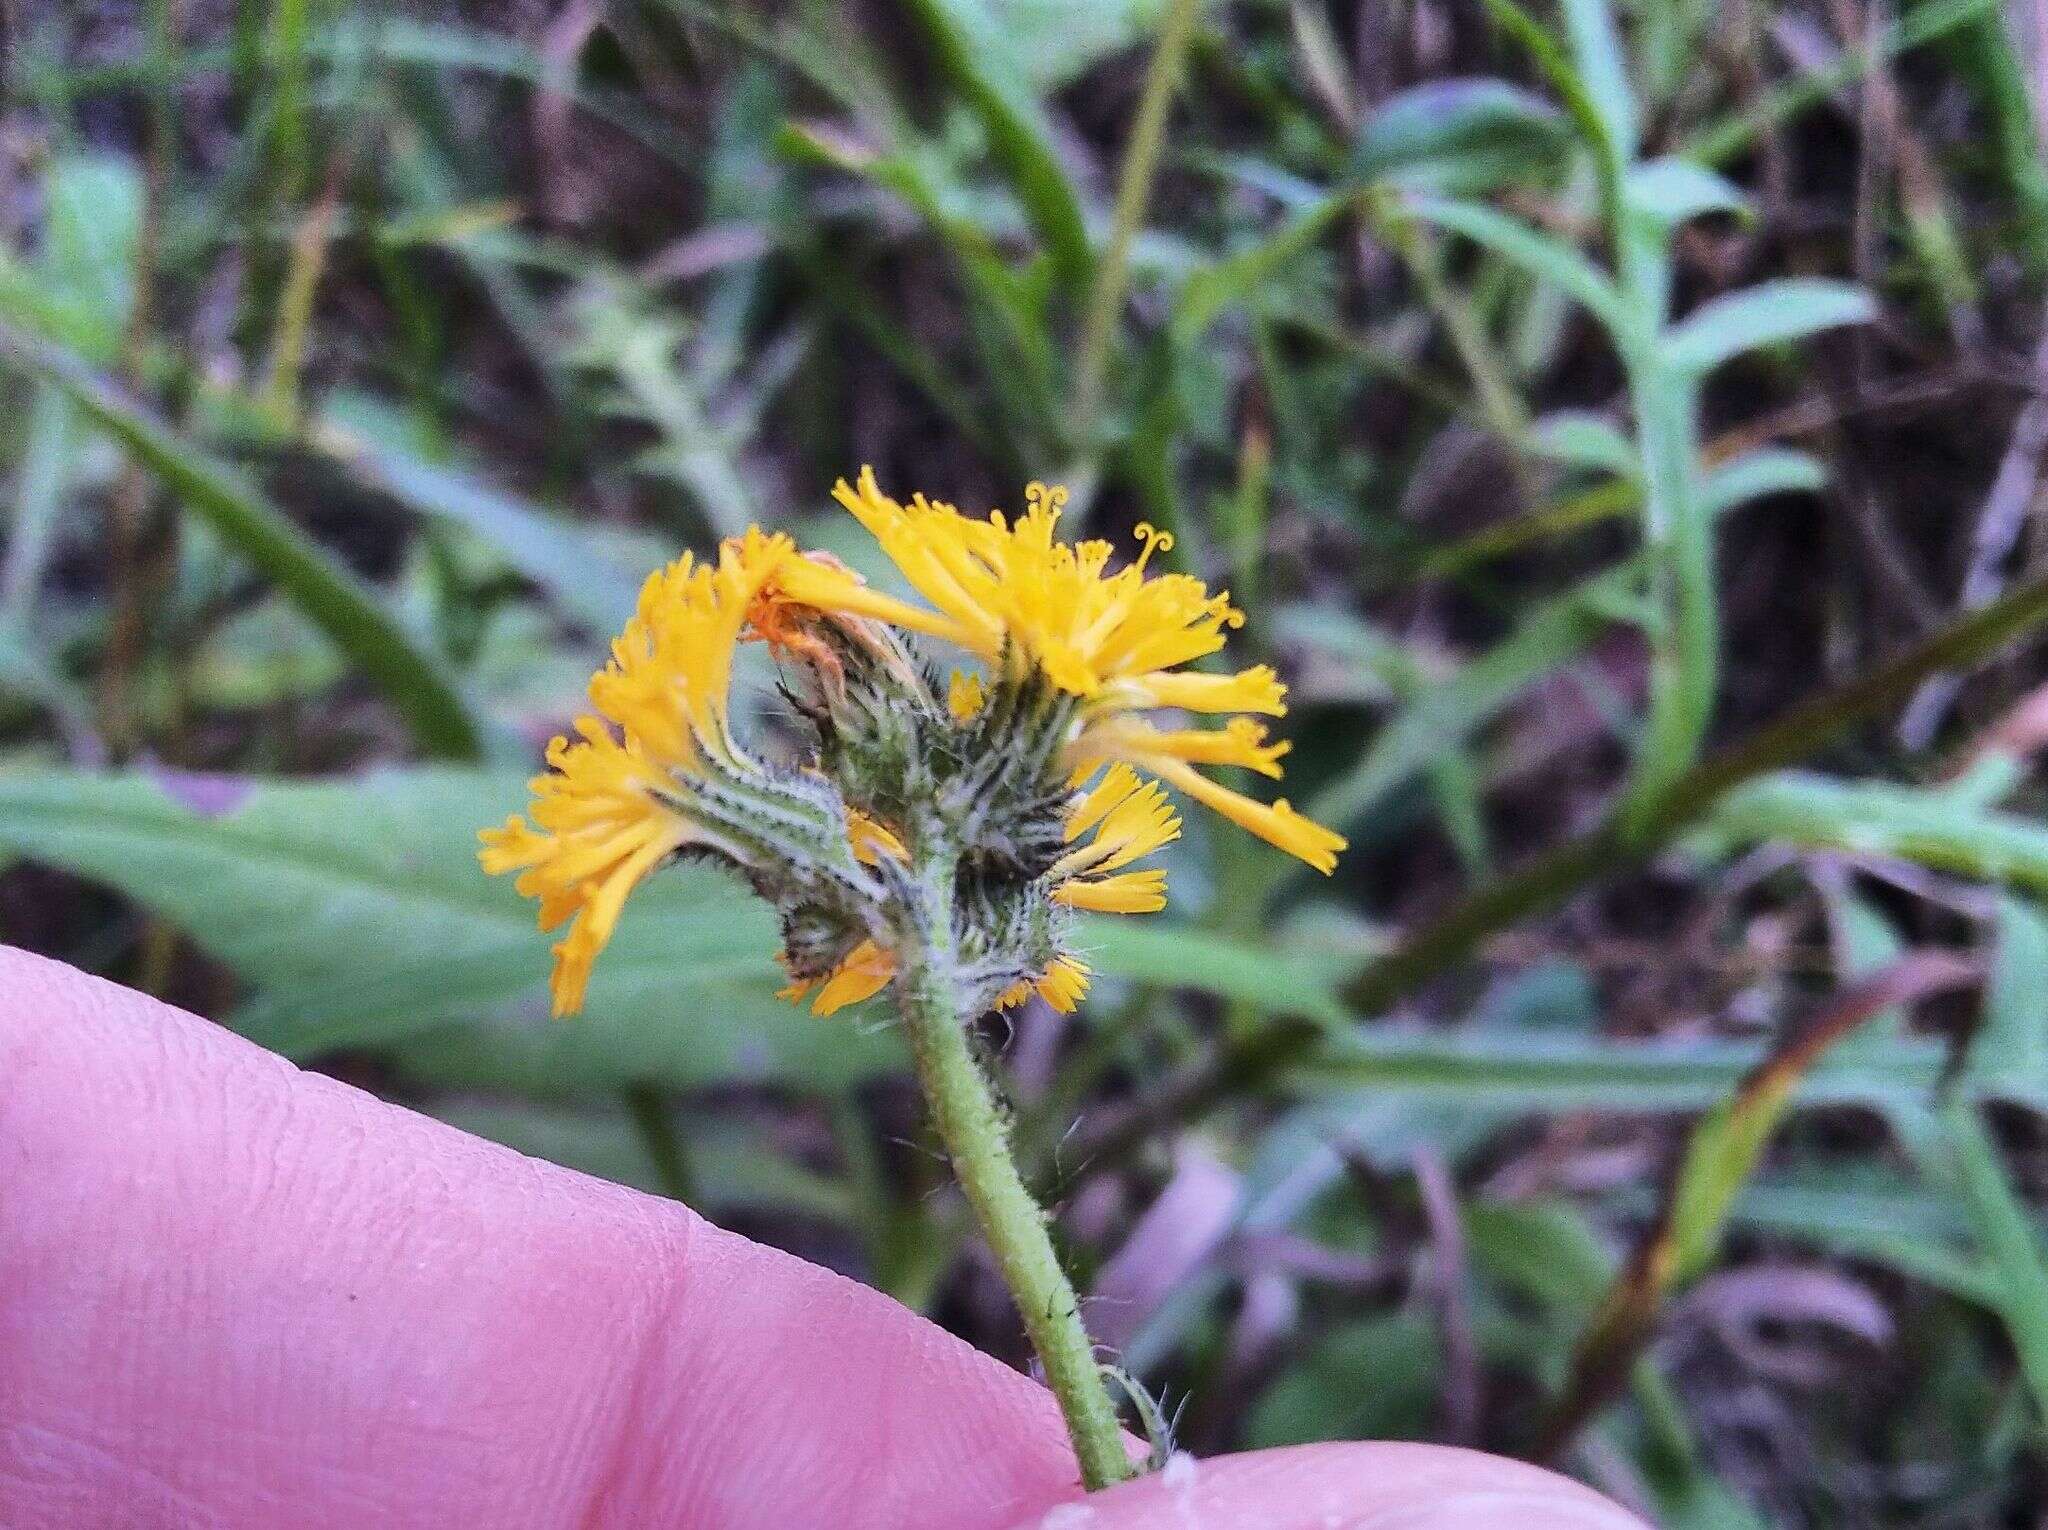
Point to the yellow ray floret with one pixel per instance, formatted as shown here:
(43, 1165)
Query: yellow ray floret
(1239, 742)
(1167, 754)
(1007, 589)
(872, 839)
(1131, 818)
(607, 811)
(966, 695)
(1256, 689)
(863, 973)
(1062, 985)
(868, 969)
(671, 668)
(996, 582)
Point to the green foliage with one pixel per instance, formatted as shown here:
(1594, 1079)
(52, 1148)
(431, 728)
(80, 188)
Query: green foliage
(1461, 137)
(235, 508)
(358, 914)
(338, 431)
(984, 60)
(1373, 1379)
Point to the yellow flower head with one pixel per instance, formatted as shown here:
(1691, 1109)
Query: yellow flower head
(1010, 592)
(610, 808)
(1074, 657)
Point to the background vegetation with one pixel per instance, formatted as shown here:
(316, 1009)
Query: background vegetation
(1624, 427)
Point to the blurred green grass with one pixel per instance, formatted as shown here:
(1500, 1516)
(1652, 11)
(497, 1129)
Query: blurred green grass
(1568, 393)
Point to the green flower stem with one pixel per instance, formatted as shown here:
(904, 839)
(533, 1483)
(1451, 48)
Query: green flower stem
(971, 1126)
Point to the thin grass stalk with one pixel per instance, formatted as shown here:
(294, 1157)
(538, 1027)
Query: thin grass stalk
(1133, 192)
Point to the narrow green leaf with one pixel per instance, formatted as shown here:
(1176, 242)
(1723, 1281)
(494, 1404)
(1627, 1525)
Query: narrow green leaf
(1596, 50)
(1058, 40)
(1557, 67)
(1724, 1147)
(1754, 475)
(1918, 26)
(1171, 955)
(1551, 1074)
(2012, 1038)
(1208, 291)
(1549, 259)
(1887, 1222)
(1462, 137)
(554, 553)
(1444, 712)
(1995, 54)
(42, 483)
(1933, 828)
(1718, 1159)
(1006, 313)
(979, 56)
(1769, 313)
(1867, 942)
(1670, 191)
(395, 37)
(326, 591)
(2005, 1232)
(1581, 439)
(1719, 1154)
(92, 227)
(1379, 666)
(84, 280)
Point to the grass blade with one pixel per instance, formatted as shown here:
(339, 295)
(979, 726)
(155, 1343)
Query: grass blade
(550, 551)
(1232, 279)
(2005, 1232)
(1717, 1160)
(978, 55)
(1931, 828)
(1596, 50)
(1769, 313)
(1548, 259)
(327, 592)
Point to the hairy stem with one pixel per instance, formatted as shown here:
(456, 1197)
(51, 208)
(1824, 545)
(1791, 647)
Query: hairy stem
(971, 1126)
(1677, 528)
(1685, 654)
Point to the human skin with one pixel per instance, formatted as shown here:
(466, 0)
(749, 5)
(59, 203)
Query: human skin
(236, 1294)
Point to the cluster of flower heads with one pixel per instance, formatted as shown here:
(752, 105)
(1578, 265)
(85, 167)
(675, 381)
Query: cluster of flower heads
(1097, 649)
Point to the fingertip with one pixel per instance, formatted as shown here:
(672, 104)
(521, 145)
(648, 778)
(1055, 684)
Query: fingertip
(1365, 1486)
(230, 1284)
(359, 1306)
